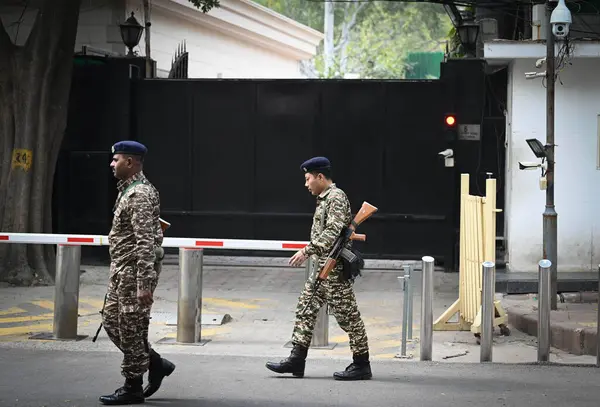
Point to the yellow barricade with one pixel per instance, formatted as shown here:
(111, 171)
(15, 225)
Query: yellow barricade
(477, 245)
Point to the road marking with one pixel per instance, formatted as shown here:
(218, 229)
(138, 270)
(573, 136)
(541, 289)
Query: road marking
(26, 329)
(228, 303)
(204, 332)
(29, 318)
(12, 310)
(44, 304)
(92, 302)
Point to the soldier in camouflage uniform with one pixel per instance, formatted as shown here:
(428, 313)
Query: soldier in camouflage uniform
(331, 216)
(135, 249)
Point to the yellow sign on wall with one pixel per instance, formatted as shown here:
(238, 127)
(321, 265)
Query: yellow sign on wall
(22, 158)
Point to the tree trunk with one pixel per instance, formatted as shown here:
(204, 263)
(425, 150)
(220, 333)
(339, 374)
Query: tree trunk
(35, 82)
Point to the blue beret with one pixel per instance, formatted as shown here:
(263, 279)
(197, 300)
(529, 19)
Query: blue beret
(315, 164)
(129, 147)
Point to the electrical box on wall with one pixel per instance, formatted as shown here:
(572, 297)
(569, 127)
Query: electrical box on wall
(539, 23)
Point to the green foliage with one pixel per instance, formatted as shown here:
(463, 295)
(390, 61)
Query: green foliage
(205, 5)
(371, 39)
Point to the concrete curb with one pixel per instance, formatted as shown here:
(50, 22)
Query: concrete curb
(568, 336)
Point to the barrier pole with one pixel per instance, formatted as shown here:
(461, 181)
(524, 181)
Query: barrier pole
(409, 293)
(189, 301)
(427, 308)
(544, 293)
(487, 311)
(321, 331)
(66, 291)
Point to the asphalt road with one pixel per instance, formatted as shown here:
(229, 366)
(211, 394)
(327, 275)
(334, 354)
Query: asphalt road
(35, 378)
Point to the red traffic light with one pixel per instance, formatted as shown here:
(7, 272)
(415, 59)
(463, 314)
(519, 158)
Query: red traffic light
(450, 120)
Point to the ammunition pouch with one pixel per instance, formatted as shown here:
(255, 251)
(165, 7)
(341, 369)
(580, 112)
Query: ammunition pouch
(353, 263)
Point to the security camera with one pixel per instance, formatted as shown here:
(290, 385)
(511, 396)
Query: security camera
(447, 153)
(526, 165)
(560, 30)
(561, 20)
(533, 75)
(540, 62)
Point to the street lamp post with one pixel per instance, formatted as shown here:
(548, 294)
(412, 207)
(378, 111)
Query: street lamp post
(131, 33)
(468, 33)
(550, 217)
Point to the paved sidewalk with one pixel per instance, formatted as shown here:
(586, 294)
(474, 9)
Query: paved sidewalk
(573, 327)
(261, 302)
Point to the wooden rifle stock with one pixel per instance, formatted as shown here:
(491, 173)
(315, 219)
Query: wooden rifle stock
(164, 225)
(357, 236)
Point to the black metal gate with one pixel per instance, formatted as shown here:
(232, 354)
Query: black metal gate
(225, 154)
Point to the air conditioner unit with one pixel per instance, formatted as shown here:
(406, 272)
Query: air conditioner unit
(539, 22)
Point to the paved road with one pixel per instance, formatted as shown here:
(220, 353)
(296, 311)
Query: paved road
(69, 379)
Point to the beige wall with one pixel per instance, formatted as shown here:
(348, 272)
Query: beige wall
(212, 53)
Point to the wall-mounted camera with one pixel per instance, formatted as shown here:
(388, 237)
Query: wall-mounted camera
(539, 150)
(527, 165)
(448, 155)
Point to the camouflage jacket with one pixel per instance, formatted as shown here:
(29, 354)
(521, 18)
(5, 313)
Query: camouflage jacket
(136, 230)
(333, 207)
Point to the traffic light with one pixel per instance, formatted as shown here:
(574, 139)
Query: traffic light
(450, 128)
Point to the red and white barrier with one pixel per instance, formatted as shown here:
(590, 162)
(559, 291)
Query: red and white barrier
(180, 242)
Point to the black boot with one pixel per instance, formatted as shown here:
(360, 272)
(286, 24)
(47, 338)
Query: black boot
(294, 364)
(360, 369)
(158, 369)
(130, 393)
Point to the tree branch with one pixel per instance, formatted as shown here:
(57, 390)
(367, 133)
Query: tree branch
(347, 27)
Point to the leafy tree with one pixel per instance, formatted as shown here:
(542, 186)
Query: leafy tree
(371, 39)
(35, 80)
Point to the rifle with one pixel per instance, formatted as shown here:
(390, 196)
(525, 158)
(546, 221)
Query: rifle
(338, 250)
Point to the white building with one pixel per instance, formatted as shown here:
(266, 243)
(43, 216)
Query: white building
(577, 157)
(241, 39)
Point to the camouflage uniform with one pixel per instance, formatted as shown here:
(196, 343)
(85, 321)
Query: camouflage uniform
(331, 216)
(134, 243)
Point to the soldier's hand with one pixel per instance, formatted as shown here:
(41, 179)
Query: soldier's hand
(298, 258)
(145, 297)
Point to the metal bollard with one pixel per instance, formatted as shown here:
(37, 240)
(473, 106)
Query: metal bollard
(409, 293)
(404, 280)
(427, 308)
(487, 311)
(66, 295)
(406, 311)
(544, 293)
(189, 301)
(66, 291)
(320, 337)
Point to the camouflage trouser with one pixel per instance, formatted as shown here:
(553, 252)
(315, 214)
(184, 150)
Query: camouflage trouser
(339, 295)
(126, 321)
